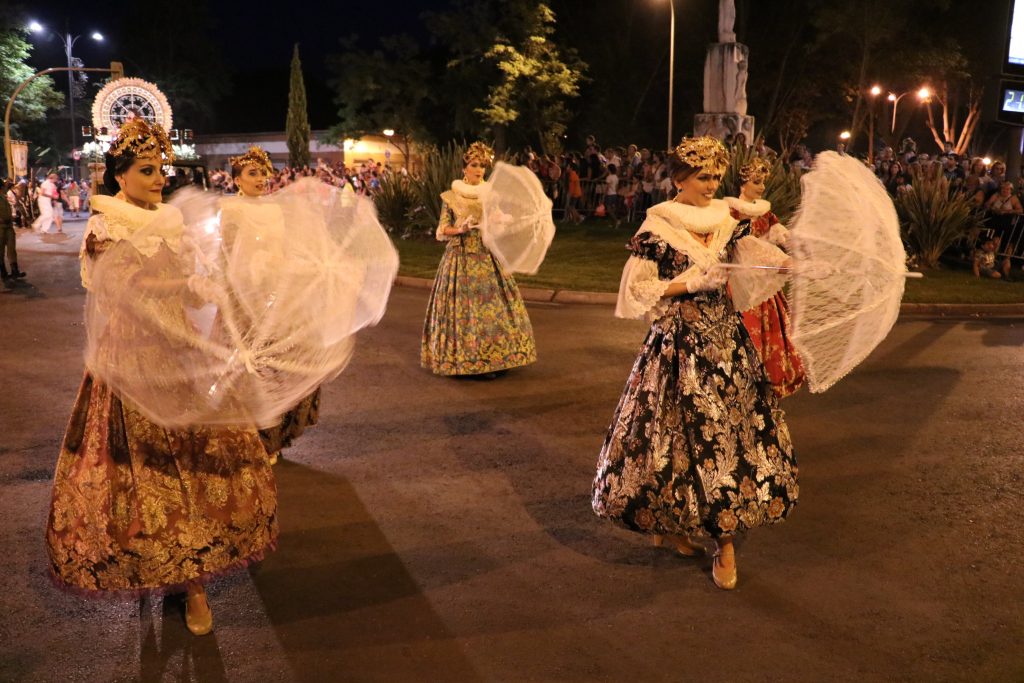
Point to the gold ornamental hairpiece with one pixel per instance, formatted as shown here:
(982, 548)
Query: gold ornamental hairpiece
(143, 140)
(756, 170)
(481, 152)
(257, 157)
(706, 153)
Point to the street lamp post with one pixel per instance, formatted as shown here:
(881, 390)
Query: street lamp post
(875, 92)
(671, 67)
(922, 94)
(68, 41)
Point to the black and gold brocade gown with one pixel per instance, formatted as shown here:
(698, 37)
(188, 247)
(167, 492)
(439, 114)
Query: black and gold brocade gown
(698, 443)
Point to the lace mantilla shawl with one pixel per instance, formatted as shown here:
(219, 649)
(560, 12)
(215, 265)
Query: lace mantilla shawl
(464, 201)
(641, 290)
(116, 220)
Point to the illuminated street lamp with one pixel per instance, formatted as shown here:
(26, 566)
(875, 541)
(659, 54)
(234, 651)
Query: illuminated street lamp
(388, 132)
(68, 41)
(671, 67)
(845, 135)
(923, 94)
(875, 91)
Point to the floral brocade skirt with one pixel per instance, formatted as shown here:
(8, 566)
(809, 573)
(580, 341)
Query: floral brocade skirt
(476, 319)
(293, 424)
(138, 508)
(698, 444)
(768, 327)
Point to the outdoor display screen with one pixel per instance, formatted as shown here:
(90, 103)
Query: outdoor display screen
(1015, 41)
(1013, 100)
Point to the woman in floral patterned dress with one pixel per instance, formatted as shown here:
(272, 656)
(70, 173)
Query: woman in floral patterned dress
(698, 445)
(251, 173)
(138, 508)
(768, 323)
(476, 320)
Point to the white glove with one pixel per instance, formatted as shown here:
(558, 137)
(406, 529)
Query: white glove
(709, 280)
(778, 235)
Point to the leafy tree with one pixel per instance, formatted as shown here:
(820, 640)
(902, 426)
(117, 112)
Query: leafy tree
(39, 96)
(297, 123)
(387, 88)
(506, 77)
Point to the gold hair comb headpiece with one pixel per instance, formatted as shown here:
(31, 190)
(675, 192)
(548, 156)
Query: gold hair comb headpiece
(706, 153)
(756, 170)
(481, 152)
(254, 157)
(143, 140)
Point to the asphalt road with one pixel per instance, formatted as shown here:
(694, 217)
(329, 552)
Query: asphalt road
(440, 529)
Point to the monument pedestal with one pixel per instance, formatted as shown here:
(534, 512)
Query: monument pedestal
(725, 93)
(721, 125)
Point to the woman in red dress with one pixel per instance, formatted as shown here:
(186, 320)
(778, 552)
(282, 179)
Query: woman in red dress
(768, 323)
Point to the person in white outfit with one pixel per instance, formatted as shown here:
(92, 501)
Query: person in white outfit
(47, 195)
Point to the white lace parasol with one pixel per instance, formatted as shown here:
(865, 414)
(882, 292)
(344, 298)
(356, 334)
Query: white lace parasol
(517, 226)
(257, 307)
(850, 268)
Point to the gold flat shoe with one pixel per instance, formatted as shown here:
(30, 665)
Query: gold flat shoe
(724, 578)
(683, 545)
(198, 615)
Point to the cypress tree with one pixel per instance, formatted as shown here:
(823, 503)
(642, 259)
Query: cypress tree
(297, 124)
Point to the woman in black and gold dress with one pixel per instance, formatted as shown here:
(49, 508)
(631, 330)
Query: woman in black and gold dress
(698, 445)
(138, 508)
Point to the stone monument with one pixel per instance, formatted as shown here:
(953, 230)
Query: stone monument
(725, 82)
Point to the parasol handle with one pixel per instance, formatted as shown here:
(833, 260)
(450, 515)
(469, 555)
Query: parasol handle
(781, 269)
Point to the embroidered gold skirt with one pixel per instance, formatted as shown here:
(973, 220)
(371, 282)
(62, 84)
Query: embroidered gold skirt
(139, 508)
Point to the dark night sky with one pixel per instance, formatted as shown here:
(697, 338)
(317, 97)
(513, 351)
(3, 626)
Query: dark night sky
(258, 100)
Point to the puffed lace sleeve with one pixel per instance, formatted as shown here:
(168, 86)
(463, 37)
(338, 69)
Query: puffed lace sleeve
(751, 287)
(95, 231)
(444, 224)
(641, 289)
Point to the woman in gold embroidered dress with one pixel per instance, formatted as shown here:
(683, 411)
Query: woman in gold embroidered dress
(251, 173)
(698, 445)
(137, 508)
(476, 319)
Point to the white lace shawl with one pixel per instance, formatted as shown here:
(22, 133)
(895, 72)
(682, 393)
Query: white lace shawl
(118, 220)
(640, 289)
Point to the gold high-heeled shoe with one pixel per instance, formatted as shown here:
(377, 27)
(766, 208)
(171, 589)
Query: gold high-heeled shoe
(724, 578)
(683, 545)
(198, 615)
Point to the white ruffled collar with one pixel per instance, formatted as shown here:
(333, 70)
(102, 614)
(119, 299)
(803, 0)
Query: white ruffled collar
(461, 187)
(126, 212)
(697, 219)
(676, 223)
(754, 209)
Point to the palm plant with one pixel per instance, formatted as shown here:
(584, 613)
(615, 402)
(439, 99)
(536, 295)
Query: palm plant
(931, 218)
(440, 166)
(395, 200)
(782, 188)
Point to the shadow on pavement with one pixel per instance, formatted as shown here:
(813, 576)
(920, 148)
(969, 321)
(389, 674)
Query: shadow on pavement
(340, 599)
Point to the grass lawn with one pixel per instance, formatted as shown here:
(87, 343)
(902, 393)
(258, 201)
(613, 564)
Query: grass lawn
(590, 257)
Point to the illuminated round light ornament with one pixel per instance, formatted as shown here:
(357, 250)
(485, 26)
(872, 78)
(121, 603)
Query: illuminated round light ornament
(127, 98)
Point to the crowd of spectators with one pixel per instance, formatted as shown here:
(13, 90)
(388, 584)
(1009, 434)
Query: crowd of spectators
(70, 198)
(999, 232)
(363, 179)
